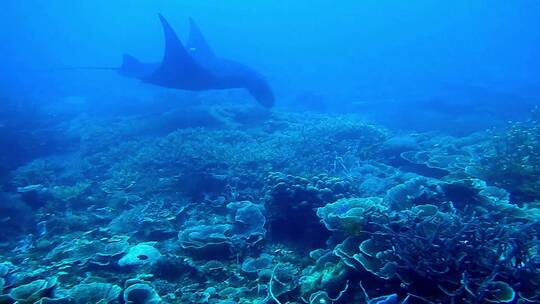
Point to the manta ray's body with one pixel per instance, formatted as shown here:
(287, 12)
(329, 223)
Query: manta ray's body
(195, 67)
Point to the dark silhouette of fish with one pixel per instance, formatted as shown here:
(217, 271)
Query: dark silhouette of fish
(195, 67)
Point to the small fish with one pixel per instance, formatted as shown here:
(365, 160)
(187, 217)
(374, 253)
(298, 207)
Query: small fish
(30, 188)
(42, 228)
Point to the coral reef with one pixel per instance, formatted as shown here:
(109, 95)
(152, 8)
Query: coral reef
(272, 208)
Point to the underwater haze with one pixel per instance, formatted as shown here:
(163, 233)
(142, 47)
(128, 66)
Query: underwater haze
(272, 152)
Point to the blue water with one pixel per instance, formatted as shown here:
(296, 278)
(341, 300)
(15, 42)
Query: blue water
(398, 162)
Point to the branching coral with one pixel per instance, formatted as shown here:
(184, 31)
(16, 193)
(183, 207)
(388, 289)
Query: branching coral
(513, 162)
(466, 254)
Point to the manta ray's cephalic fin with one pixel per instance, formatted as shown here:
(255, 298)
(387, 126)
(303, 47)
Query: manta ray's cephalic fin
(178, 69)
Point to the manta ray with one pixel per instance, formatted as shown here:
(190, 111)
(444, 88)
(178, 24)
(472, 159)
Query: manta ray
(195, 67)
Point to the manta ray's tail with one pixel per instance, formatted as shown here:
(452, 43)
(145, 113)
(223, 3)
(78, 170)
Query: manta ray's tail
(131, 67)
(78, 68)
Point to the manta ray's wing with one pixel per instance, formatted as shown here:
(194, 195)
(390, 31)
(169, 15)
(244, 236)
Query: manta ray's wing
(228, 69)
(198, 47)
(178, 69)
